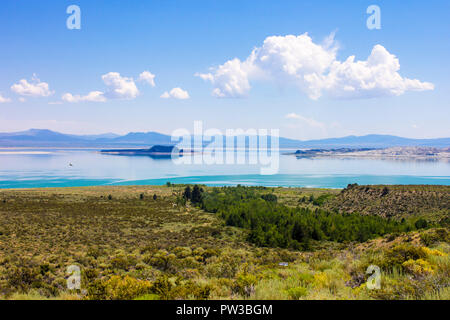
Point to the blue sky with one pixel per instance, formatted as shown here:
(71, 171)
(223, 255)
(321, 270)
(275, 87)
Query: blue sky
(174, 40)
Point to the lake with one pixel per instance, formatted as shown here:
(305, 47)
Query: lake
(50, 168)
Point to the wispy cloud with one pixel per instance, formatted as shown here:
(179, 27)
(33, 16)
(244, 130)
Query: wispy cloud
(93, 96)
(4, 100)
(309, 121)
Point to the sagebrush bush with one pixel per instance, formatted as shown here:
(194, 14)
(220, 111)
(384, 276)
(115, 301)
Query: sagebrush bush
(118, 288)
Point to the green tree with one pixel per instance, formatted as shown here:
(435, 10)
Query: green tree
(421, 224)
(196, 194)
(187, 194)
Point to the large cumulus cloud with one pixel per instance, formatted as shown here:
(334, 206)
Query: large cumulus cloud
(314, 69)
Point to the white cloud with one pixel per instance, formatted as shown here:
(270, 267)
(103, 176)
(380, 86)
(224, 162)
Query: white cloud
(314, 69)
(93, 96)
(22, 99)
(165, 95)
(148, 77)
(230, 79)
(119, 87)
(4, 100)
(308, 121)
(34, 88)
(176, 93)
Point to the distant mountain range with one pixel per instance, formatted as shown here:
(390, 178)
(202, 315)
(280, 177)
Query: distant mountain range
(48, 139)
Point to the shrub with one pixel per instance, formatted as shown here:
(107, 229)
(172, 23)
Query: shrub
(245, 284)
(190, 290)
(434, 252)
(430, 237)
(418, 267)
(120, 263)
(297, 292)
(421, 224)
(118, 288)
(270, 197)
(321, 279)
(166, 289)
(162, 260)
(393, 289)
(399, 254)
(162, 287)
(23, 278)
(322, 199)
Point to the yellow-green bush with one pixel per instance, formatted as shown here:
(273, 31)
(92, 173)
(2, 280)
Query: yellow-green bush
(418, 267)
(245, 284)
(297, 292)
(118, 288)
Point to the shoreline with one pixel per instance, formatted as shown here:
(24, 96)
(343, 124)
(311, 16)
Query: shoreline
(182, 185)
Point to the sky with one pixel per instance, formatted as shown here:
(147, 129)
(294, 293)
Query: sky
(312, 69)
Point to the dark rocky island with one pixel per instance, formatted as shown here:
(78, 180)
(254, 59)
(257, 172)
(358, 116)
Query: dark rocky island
(156, 150)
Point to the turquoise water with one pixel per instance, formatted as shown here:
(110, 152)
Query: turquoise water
(51, 169)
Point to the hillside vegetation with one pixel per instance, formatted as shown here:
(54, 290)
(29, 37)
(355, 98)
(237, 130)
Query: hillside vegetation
(277, 225)
(397, 201)
(173, 242)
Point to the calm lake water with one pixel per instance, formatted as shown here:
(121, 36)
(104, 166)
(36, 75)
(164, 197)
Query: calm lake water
(50, 168)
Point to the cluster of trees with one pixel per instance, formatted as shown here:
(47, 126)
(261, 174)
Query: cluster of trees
(276, 225)
(319, 201)
(194, 195)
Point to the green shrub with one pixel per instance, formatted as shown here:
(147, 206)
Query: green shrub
(118, 288)
(431, 237)
(245, 284)
(120, 263)
(23, 278)
(297, 292)
(270, 197)
(399, 254)
(149, 296)
(421, 224)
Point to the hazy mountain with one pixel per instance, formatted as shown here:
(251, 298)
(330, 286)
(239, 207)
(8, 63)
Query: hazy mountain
(48, 138)
(144, 138)
(38, 137)
(98, 136)
(374, 141)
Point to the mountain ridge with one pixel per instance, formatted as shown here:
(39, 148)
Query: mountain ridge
(49, 138)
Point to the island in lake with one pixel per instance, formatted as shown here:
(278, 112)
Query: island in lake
(157, 150)
(418, 153)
